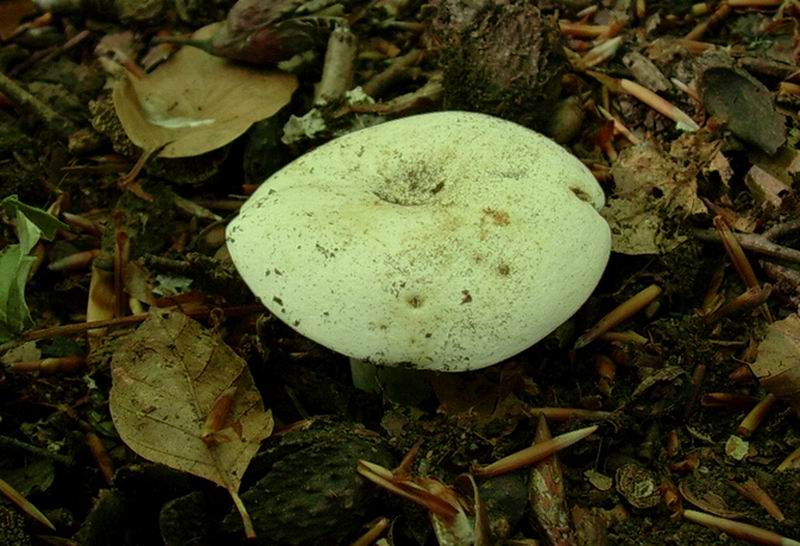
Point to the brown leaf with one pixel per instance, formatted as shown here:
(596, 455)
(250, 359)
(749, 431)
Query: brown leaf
(778, 364)
(168, 377)
(737, 98)
(195, 102)
(649, 186)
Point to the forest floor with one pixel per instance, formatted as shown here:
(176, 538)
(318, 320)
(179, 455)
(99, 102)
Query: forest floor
(147, 397)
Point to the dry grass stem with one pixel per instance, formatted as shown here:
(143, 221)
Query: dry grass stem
(533, 454)
(385, 478)
(753, 419)
(50, 366)
(728, 400)
(600, 53)
(619, 127)
(700, 29)
(100, 456)
(737, 529)
(74, 262)
(619, 314)
(628, 336)
(562, 415)
(752, 491)
(22, 503)
(581, 30)
(739, 259)
(375, 531)
(747, 301)
(658, 104)
(792, 461)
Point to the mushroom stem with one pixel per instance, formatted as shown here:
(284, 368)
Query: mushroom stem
(364, 375)
(404, 386)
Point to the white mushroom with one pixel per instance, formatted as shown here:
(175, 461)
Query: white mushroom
(447, 241)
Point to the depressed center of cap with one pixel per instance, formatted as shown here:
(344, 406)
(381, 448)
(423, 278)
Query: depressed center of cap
(446, 241)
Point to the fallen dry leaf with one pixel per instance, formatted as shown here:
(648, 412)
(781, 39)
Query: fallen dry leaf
(196, 102)
(778, 364)
(168, 378)
(737, 98)
(649, 187)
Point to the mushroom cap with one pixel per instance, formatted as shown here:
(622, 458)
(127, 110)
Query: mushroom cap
(445, 241)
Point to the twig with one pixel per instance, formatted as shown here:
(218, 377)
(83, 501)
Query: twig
(753, 242)
(81, 327)
(722, 12)
(54, 121)
(50, 54)
(396, 69)
(781, 230)
(12, 443)
(619, 127)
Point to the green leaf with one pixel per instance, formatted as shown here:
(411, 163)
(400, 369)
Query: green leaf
(28, 232)
(14, 269)
(46, 222)
(15, 264)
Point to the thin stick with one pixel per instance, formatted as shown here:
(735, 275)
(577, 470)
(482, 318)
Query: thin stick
(753, 242)
(12, 443)
(26, 101)
(562, 415)
(722, 12)
(81, 327)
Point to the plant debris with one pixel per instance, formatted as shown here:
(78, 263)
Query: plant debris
(147, 397)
